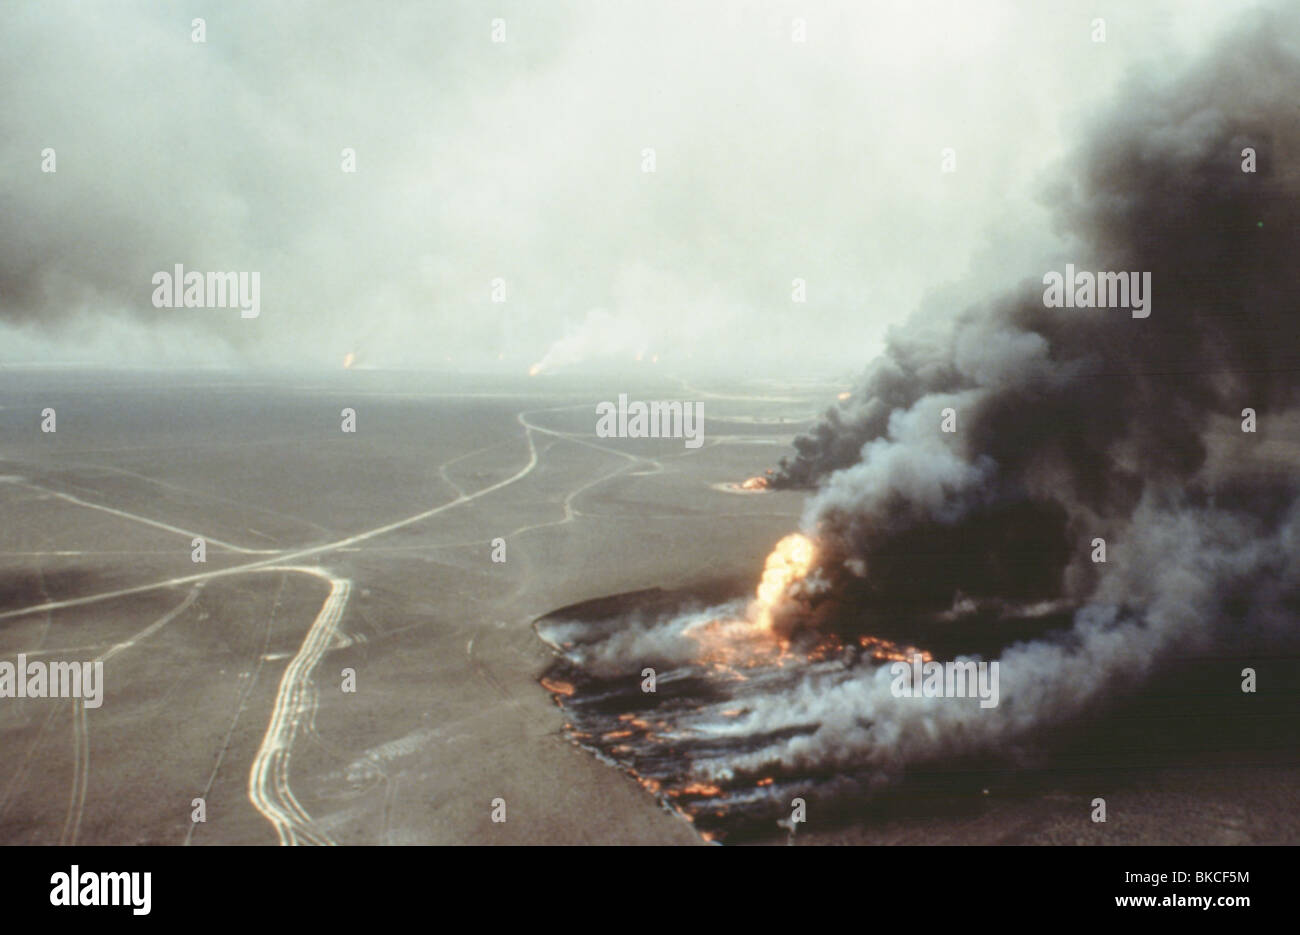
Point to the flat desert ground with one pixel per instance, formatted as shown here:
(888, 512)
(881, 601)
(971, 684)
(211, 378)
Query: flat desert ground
(372, 552)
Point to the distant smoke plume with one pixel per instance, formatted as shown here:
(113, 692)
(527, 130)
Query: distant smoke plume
(599, 335)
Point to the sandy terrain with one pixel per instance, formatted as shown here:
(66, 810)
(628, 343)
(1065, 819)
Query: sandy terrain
(372, 551)
(325, 551)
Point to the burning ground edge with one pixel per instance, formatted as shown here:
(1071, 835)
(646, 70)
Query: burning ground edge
(729, 710)
(687, 741)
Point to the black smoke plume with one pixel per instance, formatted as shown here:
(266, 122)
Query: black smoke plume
(1072, 425)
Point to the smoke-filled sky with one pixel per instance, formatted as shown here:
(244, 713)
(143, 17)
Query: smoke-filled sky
(522, 160)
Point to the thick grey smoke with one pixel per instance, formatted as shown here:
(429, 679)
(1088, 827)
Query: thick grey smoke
(1074, 424)
(1184, 569)
(522, 161)
(1166, 439)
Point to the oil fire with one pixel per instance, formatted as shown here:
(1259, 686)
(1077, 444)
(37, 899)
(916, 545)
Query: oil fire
(729, 645)
(557, 687)
(751, 641)
(738, 658)
(789, 562)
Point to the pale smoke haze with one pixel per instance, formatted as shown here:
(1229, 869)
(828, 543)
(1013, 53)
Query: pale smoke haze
(522, 161)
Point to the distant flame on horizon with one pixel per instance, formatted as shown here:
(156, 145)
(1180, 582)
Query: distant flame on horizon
(348, 360)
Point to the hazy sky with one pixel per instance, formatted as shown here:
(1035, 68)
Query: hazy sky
(522, 159)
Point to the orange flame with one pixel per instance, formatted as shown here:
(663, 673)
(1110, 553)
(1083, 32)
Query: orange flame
(729, 645)
(348, 360)
(754, 483)
(697, 788)
(534, 370)
(557, 687)
(751, 641)
(790, 561)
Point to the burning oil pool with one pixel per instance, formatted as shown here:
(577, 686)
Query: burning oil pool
(757, 484)
(670, 686)
(727, 715)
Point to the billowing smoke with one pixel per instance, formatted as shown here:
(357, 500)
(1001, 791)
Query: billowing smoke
(960, 492)
(1068, 425)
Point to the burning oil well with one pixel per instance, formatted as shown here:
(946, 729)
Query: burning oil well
(1091, 499)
